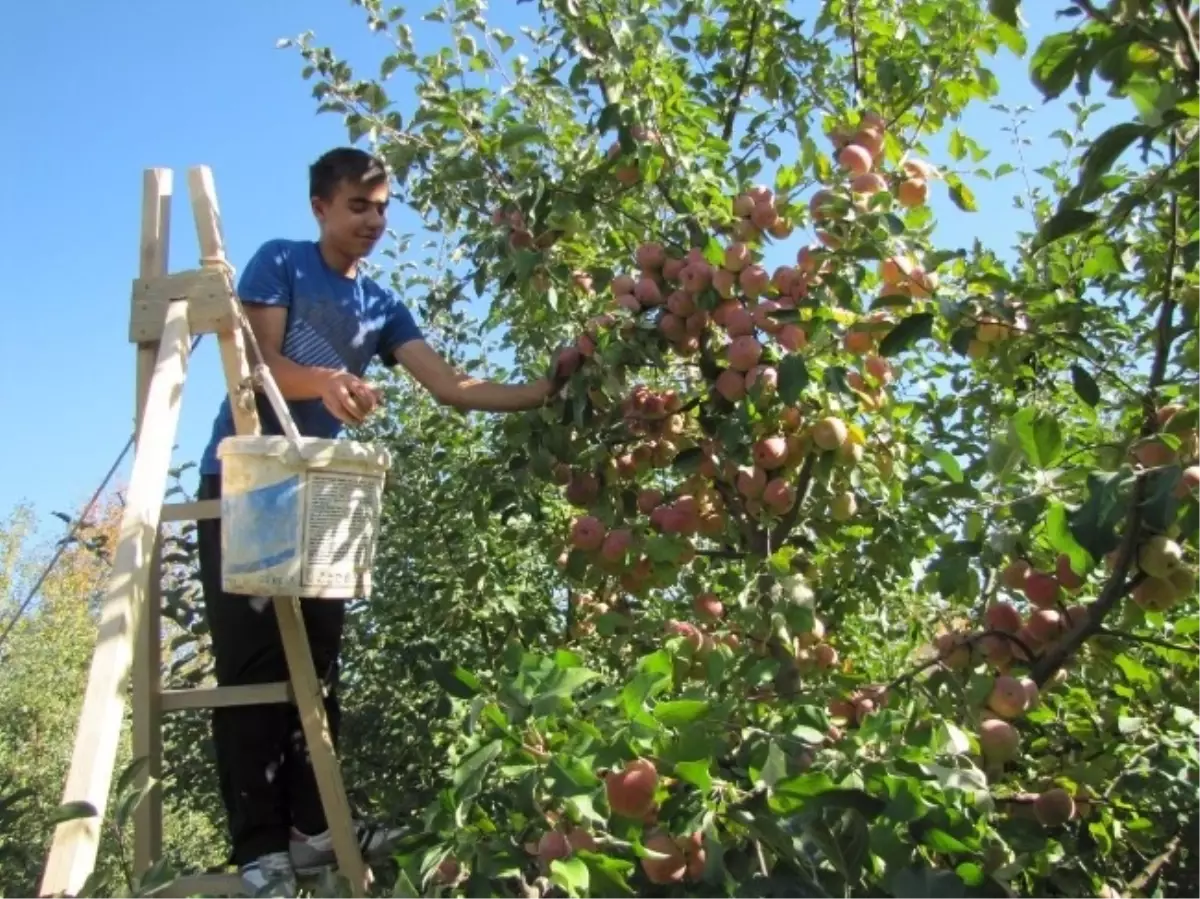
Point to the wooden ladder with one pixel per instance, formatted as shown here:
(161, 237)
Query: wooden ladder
(167, 311)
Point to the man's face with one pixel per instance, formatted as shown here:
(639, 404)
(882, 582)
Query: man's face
(354, 218)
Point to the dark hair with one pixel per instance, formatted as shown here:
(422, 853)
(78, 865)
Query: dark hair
(344, 164)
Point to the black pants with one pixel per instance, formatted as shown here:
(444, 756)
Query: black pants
(266, 779)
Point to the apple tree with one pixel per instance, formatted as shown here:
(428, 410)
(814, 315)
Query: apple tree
(878, 550)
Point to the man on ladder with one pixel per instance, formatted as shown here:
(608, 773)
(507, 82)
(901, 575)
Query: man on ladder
(318, 320)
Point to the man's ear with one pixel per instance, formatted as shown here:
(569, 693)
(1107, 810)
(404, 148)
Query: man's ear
(318, 208)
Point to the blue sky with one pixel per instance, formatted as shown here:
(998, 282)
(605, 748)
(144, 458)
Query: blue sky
(114, 88)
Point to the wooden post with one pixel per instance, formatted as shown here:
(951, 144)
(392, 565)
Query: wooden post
(147, 655)
(233, 342)
(73, 850)
(306, 686)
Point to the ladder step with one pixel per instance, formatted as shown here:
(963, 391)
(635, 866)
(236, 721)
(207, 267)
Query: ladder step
(202, 885)
(200, 510)
(221, 697)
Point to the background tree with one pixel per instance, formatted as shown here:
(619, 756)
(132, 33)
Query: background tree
(918, 521)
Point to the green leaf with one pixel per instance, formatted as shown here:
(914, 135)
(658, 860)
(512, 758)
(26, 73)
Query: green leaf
(940, 841)
(469, 776)
(962, 196)
(1094, 523)
(907, 332)
(1054, 61)
(1064, 222)
(1133, 670)
(517, 135)
(688, 460)
(130, 775)
(951, 740)
(775, 767)
(924, 883)
(456, 680)
(1104, 151)
(609, 117)
(946, 461)
(793, 378)
(608, 874)
(680, 711)
(565, 682)
(696, 773)
(1085, 385)
(971, 873)
(1058, 532)
(71, 811)
(571, 874)
(1005, 10)
(1040, 436)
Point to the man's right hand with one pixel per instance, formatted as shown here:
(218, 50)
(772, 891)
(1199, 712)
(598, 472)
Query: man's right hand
(348, 398)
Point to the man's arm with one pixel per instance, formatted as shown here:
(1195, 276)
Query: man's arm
(343, 394)
(452, 387)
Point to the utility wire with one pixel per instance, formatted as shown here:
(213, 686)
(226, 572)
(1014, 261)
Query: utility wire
(66, 541)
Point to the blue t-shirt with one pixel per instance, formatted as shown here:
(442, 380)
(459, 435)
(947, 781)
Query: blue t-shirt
(333, 322)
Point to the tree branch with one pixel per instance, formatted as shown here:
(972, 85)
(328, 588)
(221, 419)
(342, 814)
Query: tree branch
(1117, 586)
(1189, 39)
(743, 76)
(803, 484)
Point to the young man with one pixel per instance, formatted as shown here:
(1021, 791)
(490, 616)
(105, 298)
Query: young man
(318, 320)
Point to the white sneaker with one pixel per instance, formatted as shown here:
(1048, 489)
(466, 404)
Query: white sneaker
(269, 875)
(311, 853)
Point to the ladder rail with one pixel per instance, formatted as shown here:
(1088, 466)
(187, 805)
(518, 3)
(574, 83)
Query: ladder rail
(72, 855)
(130, 633)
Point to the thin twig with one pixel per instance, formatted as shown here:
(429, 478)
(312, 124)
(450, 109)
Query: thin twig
(1151, 641)
(854, 48)
(967, 642)
(743, 76)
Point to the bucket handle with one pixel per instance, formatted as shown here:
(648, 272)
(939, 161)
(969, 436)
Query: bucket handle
(263, 375)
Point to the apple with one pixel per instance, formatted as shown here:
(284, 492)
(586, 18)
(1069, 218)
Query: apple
(737, 256)
(843, 507)
(1160, 556)
(1054, 807)
(912, 192)
(998, 740)
(630, 791)
(668, 869)
(830, 433)
(792, 338)
(587, 533)
(770, 452)
(778, 496)
(1003, 616)
(1008, 697)
(855, 158)
(731, 385)
(707, 605)
(744, 353)
(1014, 575)
(650, 256)
(1155, 594)
(1041, 589)
(553, 845)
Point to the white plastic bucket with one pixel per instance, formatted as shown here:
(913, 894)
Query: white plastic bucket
(300, 519)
